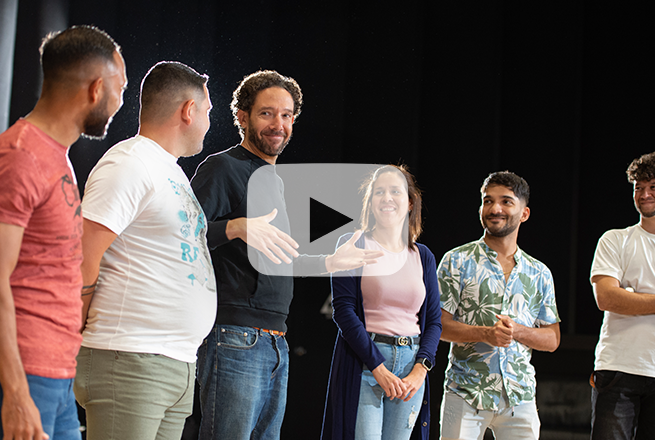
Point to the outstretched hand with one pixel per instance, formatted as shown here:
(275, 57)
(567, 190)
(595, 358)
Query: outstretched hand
(349, 256)
(266, 238)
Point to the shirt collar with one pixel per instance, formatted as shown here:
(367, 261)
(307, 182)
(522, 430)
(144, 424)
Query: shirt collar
(492, 253)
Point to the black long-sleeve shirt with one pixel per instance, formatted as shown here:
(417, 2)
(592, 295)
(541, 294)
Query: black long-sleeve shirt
(245, 296)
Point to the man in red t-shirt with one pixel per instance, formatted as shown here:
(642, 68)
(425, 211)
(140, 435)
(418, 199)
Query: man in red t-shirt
(40, 232)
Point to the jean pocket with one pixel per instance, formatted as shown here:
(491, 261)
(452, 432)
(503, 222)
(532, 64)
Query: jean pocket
(242, 338)
(605, 379)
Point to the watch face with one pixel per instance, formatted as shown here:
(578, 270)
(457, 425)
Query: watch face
(426, 363)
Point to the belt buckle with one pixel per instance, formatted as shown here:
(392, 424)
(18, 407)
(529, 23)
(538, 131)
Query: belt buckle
(403, 340)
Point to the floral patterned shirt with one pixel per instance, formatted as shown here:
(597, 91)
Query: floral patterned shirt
(473, 290)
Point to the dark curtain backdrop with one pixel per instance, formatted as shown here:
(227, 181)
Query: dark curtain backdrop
(554, 91)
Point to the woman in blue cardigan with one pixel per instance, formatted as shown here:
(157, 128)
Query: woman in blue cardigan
(389, 320)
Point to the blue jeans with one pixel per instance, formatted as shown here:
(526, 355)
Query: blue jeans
(55, 400)
(378, 417)
(243, 374)
(622, 406)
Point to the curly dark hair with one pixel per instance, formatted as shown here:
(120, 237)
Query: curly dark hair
(245, 94)
(517, 184)
(413, 222)
(642, 168)
(67, 49)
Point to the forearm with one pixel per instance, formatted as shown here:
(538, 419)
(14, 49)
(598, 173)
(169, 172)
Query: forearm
(217, 233)
(543, 339)
(12, 374)
(624, 302)
(454, 331)
(87, 295)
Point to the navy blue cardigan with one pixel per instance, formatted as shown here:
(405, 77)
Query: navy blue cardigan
(354, 348)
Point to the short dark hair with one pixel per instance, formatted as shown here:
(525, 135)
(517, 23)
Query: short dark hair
(166, 85)
(67, 49)
(642, 168)
(245, 94)
(413, 222)
(517, 184)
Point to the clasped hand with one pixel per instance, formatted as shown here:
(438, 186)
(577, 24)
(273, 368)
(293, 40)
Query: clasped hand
(397, 388)
(502, 332)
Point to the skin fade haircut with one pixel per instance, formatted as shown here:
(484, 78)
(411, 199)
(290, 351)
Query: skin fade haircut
(244, 96)
(64, 51)
(166, 85)
(517, 184)
(642, 168)
(413, 223)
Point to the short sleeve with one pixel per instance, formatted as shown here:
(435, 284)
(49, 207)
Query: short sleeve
(116, 192)
(23, 187)
(548, 311)
(607, 257)
(449, 283)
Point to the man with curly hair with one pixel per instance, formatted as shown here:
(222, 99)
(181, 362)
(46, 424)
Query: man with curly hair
(498, 304)
(243, 364)
(623, 278)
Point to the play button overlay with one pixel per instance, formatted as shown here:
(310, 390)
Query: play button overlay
(323, 220)
(316, 204)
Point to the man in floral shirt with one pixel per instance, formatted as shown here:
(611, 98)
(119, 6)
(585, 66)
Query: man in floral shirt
(498, 304)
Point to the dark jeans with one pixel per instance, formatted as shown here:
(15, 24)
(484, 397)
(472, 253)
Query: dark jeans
(243, 374)
(622, 406)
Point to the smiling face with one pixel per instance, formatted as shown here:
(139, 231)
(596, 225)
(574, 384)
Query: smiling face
(644, 196)
(390, 203)
(269, 125)
(501, 212)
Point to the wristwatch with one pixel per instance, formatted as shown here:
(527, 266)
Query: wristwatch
(425, 362)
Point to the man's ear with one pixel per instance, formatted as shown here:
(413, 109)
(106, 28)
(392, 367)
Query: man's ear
(243, 118)
(525, 214)
(188, 108)
(95, 91)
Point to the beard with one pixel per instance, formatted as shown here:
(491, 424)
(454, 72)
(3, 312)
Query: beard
(97, 121)
(259, 143)
(646, 214)
(511, 224)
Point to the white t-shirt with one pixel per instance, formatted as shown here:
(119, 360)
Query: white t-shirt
(627, 342)
(156, 291)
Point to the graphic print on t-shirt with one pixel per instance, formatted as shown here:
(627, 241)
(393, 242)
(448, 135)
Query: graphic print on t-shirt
(72, 197)
(194, 229)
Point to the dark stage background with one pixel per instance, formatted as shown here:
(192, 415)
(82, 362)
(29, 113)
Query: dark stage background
(554, 91)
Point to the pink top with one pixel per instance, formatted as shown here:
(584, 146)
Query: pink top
(393, 292)
(40, 194)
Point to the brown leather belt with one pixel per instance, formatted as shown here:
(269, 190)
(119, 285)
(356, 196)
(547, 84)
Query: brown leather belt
(271, 332)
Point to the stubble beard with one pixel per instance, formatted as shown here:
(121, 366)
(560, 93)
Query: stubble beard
(646, 214)
(258, 142)
(511, 224)
(97, 122)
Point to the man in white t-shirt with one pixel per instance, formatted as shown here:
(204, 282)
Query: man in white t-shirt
(623, 277)
(149, 288)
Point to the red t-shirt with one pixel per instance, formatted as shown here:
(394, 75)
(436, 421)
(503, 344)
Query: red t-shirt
(40, 194)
